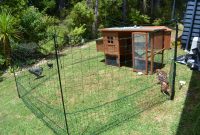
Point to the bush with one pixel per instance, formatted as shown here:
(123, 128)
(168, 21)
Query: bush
(81, 15)
(178, 43)
(2, 60)
(34, 24)
(76, 36)
(139, 19)
(26, 50)
(47, 45)
(1, 78)
(26, 53)
(159, 21)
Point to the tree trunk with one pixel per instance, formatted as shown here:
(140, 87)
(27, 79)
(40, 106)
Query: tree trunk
(61, 5)
(7, 50)
(152, 9)
(157, 6)
(145, 6)
(124, 11)
(96, 14)
(89, 3)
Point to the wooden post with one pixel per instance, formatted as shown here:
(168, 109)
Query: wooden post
(152, 53)
(146, 48)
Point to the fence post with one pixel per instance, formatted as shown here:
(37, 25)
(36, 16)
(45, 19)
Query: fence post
(16, 81)
(14, 73)
(60, 83)
(174, 70)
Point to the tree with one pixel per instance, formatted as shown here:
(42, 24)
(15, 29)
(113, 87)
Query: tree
(7, 31)
(34, 24)
(124, 11)
(14, 6)
(145, 6)
(81, 15)
(96, 14)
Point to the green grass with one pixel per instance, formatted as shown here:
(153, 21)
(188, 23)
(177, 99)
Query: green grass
(99, 99)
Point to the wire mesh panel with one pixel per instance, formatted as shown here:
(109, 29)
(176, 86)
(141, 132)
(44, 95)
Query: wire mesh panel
(140, 51)
(158, 61)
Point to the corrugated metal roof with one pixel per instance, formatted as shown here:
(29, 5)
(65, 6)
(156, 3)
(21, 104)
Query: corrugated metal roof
(137, 28)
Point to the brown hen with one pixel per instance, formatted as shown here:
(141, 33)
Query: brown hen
(163, 80)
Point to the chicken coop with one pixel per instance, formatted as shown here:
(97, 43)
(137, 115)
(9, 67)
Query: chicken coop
(141, 47)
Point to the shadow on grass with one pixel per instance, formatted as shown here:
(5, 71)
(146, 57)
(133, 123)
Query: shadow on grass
(40, 111)
(190, 119)
(1, 78)
(112, 114)
(129, 64)
(98, 119)
(126, 118)
(51, 115)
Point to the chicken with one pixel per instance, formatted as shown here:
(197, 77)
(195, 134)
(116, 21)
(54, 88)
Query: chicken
(163, 80)
(162, 76)
(36, 71)
(50, 65)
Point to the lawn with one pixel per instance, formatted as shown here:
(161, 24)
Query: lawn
(99, 99)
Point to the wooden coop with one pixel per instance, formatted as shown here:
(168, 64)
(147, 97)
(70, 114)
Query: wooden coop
(141, 47)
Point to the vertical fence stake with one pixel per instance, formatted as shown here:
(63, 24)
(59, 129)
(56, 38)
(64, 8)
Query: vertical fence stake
(15, 80)
(13, 68)
(174, 70)
(60, 83)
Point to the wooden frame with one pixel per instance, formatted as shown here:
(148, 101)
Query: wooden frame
(146, 49)
(157, 40)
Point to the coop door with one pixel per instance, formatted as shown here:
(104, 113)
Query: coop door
(139, 52)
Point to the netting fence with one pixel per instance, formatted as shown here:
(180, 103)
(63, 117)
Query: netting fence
(74, 91)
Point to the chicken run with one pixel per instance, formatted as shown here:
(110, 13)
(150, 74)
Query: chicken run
(83, 90)
(76, 87)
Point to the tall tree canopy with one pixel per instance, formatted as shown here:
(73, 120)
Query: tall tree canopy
(76, 20)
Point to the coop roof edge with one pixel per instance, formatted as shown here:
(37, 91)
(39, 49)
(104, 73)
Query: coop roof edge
(136, 29)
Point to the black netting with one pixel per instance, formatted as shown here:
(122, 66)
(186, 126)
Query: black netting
(99, 91)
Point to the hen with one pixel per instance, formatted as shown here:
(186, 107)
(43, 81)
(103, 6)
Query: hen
(50, 65)
(163, 80)
(36, 71)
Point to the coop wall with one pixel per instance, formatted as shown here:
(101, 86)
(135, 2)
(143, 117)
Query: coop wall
(167, 39)
(125, 43)
(158, 43)
(100, 45)
(111, 43)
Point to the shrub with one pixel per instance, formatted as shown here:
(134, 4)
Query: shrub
(139, 19)
(26, 53)
(2, 60)
(47, 45)
(76, 36)
(159, 21)
(1, 78)
(34, 24)
(80, 15)
(178, 43)
(48, 5)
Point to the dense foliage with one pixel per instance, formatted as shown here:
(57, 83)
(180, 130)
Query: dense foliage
(75, 21)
